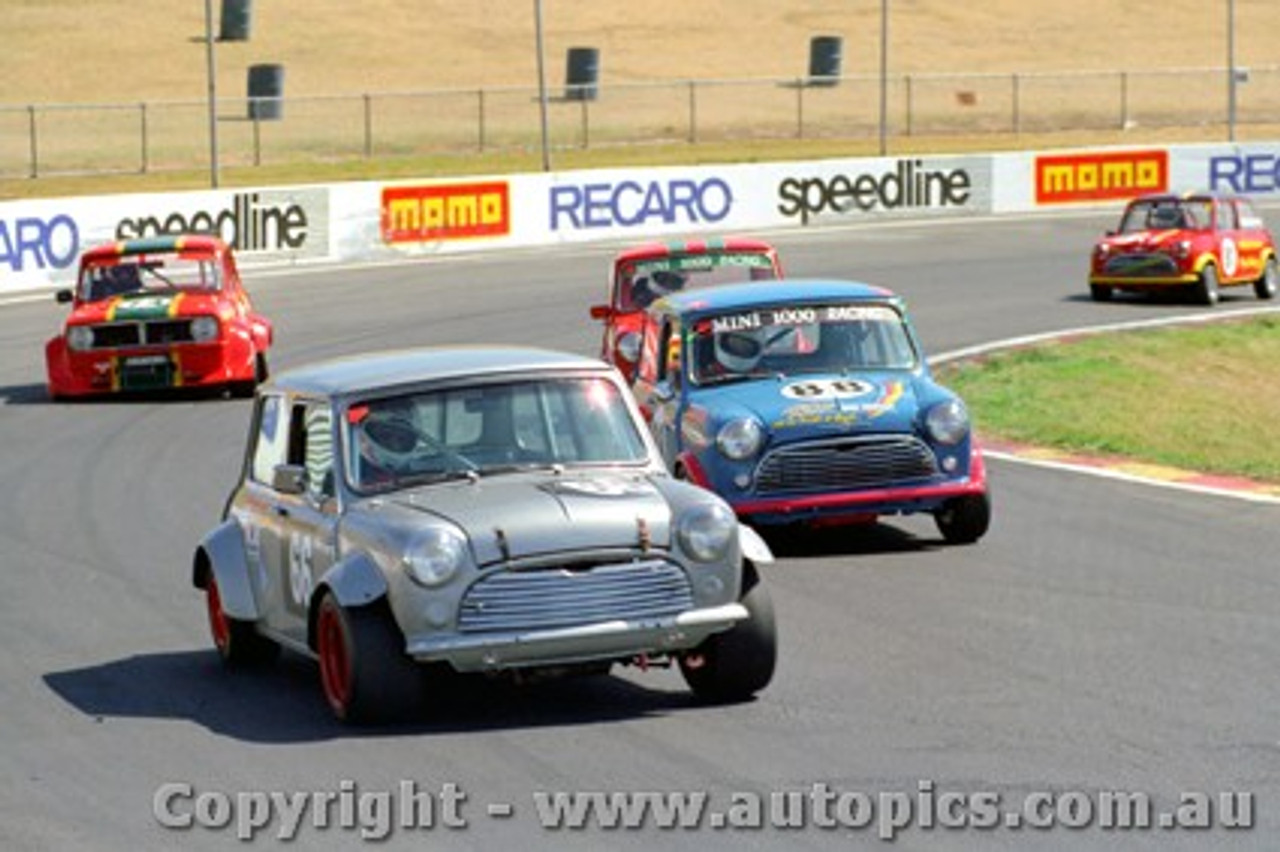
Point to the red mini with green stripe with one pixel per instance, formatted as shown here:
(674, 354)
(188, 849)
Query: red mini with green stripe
(158, 314)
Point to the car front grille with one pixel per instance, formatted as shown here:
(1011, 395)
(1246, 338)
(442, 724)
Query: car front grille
(845, 463)
(123, 335)
(549, 598)
(1141, 264)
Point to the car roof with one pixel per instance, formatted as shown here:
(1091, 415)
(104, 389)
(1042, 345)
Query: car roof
(707, 246)
(1198, 195)
(375, 371)
(747, 295)
(196, 243)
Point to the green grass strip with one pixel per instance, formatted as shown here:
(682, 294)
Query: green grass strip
(1205, 397)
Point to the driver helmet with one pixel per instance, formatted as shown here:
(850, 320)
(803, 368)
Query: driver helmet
(663, 282)
(738, 351)
(388, 437)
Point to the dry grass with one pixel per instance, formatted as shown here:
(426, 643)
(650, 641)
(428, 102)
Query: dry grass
(56, 52)
(52, 52)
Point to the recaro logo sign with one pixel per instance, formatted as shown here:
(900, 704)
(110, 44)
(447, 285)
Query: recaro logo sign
(419, 214)
(1112, 176)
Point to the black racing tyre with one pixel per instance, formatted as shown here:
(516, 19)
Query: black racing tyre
(364, 671)
(245, 389)
(736, 664)
(236, 641)
(1266, 285)
(964, 520)
(1101, 292)
(1207, 290)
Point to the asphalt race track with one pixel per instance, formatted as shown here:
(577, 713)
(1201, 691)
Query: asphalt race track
(1103, 637)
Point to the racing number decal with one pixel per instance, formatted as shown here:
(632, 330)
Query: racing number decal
(827, 389)
(300, 555)
(1230, 257)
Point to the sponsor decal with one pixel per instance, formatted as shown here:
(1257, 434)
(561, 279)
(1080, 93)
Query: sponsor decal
(263, 221)
(30, 242)
(910, 184)
(420, 214)
(827, 407)
(630, 204)
(143, 307)
(1112, 176)
(1247, 174)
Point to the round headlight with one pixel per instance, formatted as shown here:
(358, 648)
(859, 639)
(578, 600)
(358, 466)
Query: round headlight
(79, 338)
(435, 555)
(948, 422)
(740, 439)
(629, 347)
(204, 329)
(707, 531)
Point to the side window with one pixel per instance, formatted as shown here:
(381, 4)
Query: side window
(318, 451)
(648, 367)
(271, 440)
(1249, 217)
(669, 353)
(1227, 220)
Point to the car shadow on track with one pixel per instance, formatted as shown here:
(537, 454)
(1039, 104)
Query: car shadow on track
(852, 540)
(283, 703)
(38, 394)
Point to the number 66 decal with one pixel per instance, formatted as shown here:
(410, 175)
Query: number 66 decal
(827, 389)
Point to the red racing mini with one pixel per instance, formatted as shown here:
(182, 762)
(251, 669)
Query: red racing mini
(154, 314)
(1197, 242)
(642, 274)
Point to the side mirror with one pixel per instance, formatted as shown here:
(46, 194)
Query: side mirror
(601, 312)
(289, 478)
(62, 297)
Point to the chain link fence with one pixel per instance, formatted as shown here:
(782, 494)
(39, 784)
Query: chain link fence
(73, 139)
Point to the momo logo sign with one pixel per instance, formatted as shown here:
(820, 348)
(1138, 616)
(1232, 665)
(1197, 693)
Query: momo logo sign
(419, 214)
(1100, 177)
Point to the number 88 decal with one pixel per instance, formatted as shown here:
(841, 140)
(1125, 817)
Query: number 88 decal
(827, 389)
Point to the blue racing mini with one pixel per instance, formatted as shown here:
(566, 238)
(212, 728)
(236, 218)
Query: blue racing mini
(809, 401)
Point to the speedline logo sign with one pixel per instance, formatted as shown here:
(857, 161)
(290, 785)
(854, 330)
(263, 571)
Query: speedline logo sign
(420, 214)
(257, 224)
(905, 186)
(1111, 176)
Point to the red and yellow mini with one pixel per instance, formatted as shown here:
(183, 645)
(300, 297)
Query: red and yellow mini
(643, 274)
(1198, 243)
(156, 314)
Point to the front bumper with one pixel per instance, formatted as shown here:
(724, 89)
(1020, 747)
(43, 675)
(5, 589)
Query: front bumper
(147, 369)
(607, 640)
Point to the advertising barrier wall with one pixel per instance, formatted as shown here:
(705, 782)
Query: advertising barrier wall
(40, 241)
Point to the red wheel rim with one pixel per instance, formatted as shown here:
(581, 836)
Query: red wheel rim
(217, 618)
(335, 663)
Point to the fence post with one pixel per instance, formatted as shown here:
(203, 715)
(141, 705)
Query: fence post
(31, 136)
(480, 117)
(693, 112)
(257, 141)
(367, 101)
(142, 121)
(1017, 119)
(799, 108)
(910, 104)
(1124, 99)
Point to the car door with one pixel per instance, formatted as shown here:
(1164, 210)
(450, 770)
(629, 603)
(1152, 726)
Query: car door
(1252, 238)
(662, 385)
(308, 516)
(255, 503)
